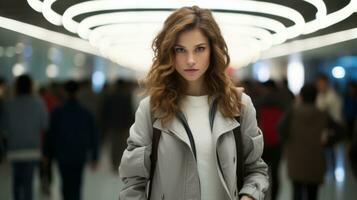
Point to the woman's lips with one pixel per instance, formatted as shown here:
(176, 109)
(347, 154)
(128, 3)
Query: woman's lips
(191, 70)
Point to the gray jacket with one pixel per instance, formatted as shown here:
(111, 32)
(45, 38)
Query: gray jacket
(176, 175)
(25, 117)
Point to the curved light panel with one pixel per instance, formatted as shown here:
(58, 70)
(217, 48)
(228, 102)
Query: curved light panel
(123, 30)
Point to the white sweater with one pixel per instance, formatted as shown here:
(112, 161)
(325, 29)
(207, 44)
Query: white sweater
(196, 111)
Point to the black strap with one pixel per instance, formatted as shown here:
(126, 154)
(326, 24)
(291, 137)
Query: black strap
(153, 157)
(240, 158)
(183, 120)
(212, 112)
(155, 143)
(239, 146)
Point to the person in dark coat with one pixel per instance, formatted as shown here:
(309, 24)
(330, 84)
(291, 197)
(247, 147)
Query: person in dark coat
(118, 116)
(302, 129)
(353, 150)
(2, 99)
(72, 137)
(269, 111)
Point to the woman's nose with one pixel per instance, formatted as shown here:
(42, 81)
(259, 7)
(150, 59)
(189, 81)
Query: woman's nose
(191, 59)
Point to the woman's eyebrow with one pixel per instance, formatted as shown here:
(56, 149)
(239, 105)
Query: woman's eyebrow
(178, 45)
(200, 44)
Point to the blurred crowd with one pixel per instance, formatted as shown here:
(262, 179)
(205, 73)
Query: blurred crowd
(304, 129)
(66, 123)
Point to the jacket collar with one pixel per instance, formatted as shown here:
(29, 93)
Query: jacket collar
(221, 125)
(174, 127)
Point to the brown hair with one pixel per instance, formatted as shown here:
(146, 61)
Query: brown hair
(164, 85)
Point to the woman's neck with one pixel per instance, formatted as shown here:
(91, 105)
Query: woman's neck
(196, 90)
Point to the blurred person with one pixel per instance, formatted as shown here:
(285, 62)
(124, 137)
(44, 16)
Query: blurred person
(285, 94)
(118, 115)
(88, 98)
(25, 118)
(193, 107)
(353, 150)
(137, 95)
(329, 101)
(302, 128)
(350, 111)
(269, 111)
(252, 88)
(72, 138)
(51, 103)
(247, 85)
(3, 87)
(2, 100)
(350, 106)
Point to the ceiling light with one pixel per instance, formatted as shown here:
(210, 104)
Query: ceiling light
(18, 69)
(310, 43)
(52, 71)
(120, 29)
(10, 51)
(35, 4)
(50, 14)
(19, 48)
(338, 72)
(49, 36)
(295, 73)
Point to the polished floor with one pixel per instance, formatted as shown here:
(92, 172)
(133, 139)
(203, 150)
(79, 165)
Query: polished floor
(104, 184)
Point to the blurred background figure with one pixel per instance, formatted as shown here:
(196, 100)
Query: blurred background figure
(51, 102)
(72, 136)
(350, 107)
(285, 94)
(117, 117)
(302, 131)
(24, 119)
(88, 98)
(2, 99)
(327, 98)
(349, 114)
(269, 111)
(353, 151)
(329, 101)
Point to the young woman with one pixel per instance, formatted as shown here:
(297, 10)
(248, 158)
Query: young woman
(196, 156)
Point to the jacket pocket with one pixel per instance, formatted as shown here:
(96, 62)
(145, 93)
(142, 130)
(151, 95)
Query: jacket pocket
(135, 162)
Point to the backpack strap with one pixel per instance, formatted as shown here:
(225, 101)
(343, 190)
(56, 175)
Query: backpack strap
(156, 134)
(239, 145)
(240, 158)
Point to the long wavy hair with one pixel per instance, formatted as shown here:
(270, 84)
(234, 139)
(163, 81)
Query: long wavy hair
(165, 86)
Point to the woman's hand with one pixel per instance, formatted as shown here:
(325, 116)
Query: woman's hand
(246, 197)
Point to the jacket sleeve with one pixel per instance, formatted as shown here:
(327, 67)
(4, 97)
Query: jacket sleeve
(256, 181)
(134, 169)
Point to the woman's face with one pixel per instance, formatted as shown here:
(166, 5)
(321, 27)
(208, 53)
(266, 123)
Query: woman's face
(192, 56)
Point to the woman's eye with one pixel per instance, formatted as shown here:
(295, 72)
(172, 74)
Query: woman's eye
(200, 49)
(179, 50)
